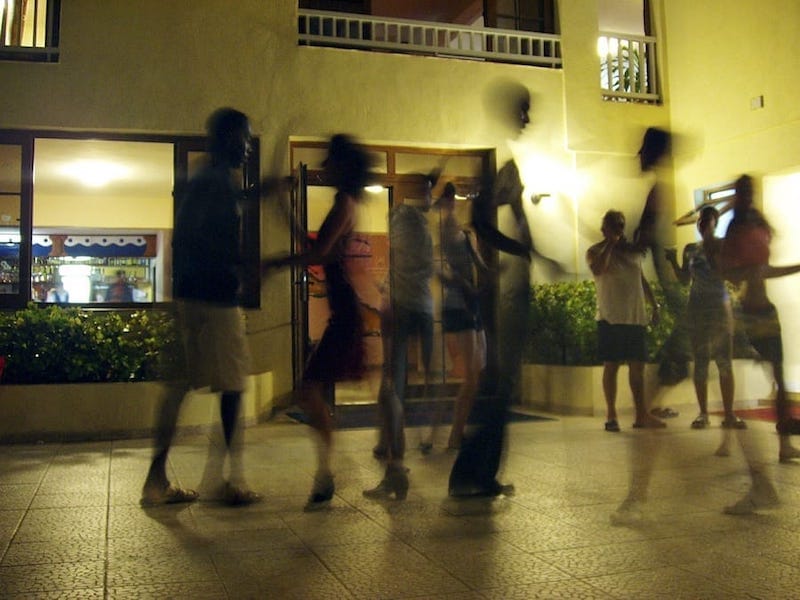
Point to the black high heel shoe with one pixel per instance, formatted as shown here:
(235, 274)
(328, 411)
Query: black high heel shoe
(394, 482)
(397, 478)
(321, 494)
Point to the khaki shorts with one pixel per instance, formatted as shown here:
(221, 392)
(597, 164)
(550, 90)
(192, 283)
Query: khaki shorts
(217, 355)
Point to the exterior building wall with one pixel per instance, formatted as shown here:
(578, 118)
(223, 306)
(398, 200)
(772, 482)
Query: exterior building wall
(720, 59)
(161, 67)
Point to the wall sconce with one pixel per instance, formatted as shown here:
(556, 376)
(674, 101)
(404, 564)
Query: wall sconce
(536, 198)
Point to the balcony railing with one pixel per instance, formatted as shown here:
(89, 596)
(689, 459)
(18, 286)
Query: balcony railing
(343, 30)
(628, 67)
(29, 30)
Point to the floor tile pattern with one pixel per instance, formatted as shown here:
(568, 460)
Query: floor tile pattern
(71, 525)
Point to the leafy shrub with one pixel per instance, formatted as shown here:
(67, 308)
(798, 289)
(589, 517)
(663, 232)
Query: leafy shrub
(71, 345)
(562, 326)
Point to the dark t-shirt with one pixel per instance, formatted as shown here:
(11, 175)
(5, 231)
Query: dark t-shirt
(205, 244)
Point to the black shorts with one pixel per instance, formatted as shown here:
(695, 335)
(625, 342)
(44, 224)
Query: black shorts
(457, 319)
(764, 331)
(621, 343)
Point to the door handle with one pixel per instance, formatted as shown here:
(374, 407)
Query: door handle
(302, 281)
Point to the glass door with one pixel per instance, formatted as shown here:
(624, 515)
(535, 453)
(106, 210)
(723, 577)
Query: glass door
(396, 179)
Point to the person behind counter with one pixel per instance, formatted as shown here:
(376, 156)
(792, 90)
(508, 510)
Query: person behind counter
(121, 290)
(57, 293)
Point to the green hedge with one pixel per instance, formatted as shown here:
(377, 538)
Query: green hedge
(562, 326)
(64, 345)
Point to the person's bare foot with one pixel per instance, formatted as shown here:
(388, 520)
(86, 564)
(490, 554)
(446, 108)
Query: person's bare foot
(647, 421)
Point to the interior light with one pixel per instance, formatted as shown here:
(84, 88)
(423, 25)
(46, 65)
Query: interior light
(374, 189)
(95, 173)
(606, 46)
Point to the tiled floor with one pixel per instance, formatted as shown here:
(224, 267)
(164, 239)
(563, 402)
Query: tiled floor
(71, 526)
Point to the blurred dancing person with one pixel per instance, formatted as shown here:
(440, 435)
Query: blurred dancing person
(745, 261)
(339, 355)
(409, 313)
(206, 282)
(461, 319)
(651, 234)
(474, 472)
(709, 316)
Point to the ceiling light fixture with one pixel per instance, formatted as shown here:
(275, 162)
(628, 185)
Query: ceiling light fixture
(94, 173)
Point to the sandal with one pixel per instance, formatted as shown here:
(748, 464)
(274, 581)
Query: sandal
(701, 422)
(235, 496)
(612, 426)
(168, 495)
(734, 423)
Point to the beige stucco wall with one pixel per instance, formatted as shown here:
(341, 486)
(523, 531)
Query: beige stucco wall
(153, 69)
(720, 59)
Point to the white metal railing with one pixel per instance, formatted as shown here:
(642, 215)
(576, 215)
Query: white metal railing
(29, 30)
(344, 30)
(628, 67)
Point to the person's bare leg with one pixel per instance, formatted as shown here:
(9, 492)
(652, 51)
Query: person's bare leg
(610, 370)
(701, 391)
(636, 381)
(157, 488)
(466, 341)
(783, 415)
(727, 388)
(313, 403)
(762, 493)
(235, 491)
(700, 380)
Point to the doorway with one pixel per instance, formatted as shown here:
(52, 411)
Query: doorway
(369, 258)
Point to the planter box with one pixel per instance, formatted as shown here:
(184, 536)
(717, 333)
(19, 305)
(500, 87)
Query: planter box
(84, 411)
(568, 390)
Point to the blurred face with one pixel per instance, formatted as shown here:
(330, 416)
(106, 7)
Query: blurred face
(707, 225)
(239, 146)
(523, 115)
(447, 203)
(613, 226)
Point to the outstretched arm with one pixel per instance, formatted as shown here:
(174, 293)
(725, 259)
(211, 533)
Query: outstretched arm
(338, 223)
(484, 227)
(681, 271)
(770, 272)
